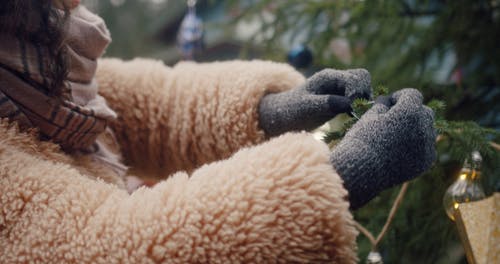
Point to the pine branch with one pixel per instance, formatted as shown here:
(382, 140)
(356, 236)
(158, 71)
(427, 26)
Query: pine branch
(462, 137)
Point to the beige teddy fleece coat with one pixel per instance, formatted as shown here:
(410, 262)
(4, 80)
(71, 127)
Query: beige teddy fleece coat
(229, 196)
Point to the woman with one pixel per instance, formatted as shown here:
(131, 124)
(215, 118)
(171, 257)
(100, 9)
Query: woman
(272, 196)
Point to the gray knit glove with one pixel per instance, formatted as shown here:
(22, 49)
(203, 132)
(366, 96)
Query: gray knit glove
(392, 142)
(323, 96)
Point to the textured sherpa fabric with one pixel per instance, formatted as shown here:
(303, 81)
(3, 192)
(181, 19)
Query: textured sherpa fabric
(191, 114)
(390, 144)
(277, 202)
(280, 201)
(323, 96)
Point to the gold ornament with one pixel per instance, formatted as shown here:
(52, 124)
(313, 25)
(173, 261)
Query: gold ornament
(466, 188)
(478, 225)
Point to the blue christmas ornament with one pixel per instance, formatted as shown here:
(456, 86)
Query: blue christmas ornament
(190, 36)
(300, 56)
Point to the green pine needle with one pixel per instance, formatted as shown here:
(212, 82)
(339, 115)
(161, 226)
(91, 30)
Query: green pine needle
(380, 90)
(359, 107)
(438, 107)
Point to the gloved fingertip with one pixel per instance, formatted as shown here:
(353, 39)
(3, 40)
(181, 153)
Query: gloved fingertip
(358, 84)
(339, 104)
(327, 81)
(361, 72)
(429, 112)
(408, 94)
(377, 109)
(365, 94)
(385, 100)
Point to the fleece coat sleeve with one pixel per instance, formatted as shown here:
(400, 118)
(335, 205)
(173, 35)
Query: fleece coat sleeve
(265, 204)
(179, 118)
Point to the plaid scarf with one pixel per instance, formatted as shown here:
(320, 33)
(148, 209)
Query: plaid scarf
(74, 123)
(76, 120)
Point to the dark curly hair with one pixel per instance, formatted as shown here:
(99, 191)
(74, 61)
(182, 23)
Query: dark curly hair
(38, 22)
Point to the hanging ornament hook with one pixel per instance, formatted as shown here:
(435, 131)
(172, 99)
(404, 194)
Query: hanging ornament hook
(374, 256)
(190, 36)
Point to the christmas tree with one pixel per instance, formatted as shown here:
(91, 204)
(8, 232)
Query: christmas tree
(446, 49)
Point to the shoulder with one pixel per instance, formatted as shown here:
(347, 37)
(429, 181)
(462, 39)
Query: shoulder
(113, 72)
(114, 65)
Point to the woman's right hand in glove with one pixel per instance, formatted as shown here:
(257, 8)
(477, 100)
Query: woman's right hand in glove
(323, 96)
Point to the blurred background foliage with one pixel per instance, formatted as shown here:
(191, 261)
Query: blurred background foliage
(447, 49)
